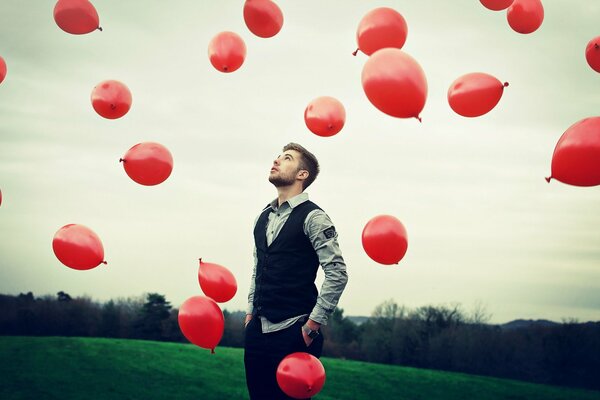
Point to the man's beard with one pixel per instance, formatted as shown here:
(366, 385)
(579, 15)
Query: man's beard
(280, 181)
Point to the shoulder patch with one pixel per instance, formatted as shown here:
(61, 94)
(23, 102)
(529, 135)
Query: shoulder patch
(329, 232)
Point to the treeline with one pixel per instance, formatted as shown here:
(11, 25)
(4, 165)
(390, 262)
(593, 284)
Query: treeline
(440, 337)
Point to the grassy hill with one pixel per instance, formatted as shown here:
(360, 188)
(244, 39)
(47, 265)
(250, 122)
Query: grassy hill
(93, 368)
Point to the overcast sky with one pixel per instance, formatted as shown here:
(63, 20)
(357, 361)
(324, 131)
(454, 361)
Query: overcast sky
(483, 224)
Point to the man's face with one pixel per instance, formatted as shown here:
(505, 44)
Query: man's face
(285, 168)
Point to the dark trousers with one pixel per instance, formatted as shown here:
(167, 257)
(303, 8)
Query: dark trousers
(264, 351)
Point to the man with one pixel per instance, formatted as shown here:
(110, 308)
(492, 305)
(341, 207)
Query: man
(292, 237)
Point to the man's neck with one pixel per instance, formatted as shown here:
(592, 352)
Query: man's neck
(284, 193)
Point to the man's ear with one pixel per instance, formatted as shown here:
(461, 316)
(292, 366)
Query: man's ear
(302, 174)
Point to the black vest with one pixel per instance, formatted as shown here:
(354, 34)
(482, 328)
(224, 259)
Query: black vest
(286, 270)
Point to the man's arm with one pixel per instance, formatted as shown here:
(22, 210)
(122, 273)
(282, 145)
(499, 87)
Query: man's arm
(250, 307)
(324, 238)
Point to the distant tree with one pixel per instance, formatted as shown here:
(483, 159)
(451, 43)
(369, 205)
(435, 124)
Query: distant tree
(153, 318)
(62, 296)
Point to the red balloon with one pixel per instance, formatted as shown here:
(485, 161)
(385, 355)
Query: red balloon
(76, 16)
(0, 197)
(576, 158)
(592, 55)
(227, 51)
(263, 17)
(496, 5)
(78, 247)
(201, 321)
(2, 69)
(148, 163)
(217, 282)
(475, 94)
(325, 116)
(385, 240)
(525, 16)
(300, 375)
(395, 83)
(380, 28)
(111, 99)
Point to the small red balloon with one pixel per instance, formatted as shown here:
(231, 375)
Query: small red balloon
(148, 163)
(496, 5)
(475, 94)
(111, 99)
(78, 247)
(77, 17)
(325, 116)
(395, 83)
(576, 158)
(227, 51)
(217, 282)
(592, 54)
(263, 17)
(0, 197)
(380, 28)
(525, 16)
(300, 375)
(2, 69)
(385, 240)
(201, 321)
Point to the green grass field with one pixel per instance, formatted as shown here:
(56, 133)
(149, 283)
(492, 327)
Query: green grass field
(93, 368)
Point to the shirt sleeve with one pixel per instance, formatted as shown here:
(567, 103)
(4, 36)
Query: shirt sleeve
(324, 238)
(250, 307)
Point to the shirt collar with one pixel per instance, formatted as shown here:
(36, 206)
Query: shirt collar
(293, 202)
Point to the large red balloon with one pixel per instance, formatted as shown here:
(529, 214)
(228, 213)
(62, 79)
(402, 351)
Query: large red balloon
(300, 375)
(2, 69)
(78, 247)
(227, 51)
(111, 99)
(76, 16)
(525, 16)
(496, 5)
(263, 17)
(217, 282)
(576, 158)
(148, 163)
(201, 321)
(395, 83)
(380, 28)
(592, 54)
(475, 94)
(325, 116)
(385, 240)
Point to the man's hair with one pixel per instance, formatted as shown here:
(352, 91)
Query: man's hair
(308, 162)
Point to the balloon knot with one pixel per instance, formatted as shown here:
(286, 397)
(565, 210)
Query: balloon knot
(100, 28)
(225, 69)
(505, 84)
(121, 160)
(596, 45)
(419, 119)
(212, 351)
(113, 107)
(548, 179)
(200, 259)
(104, 262)
(355, 52)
